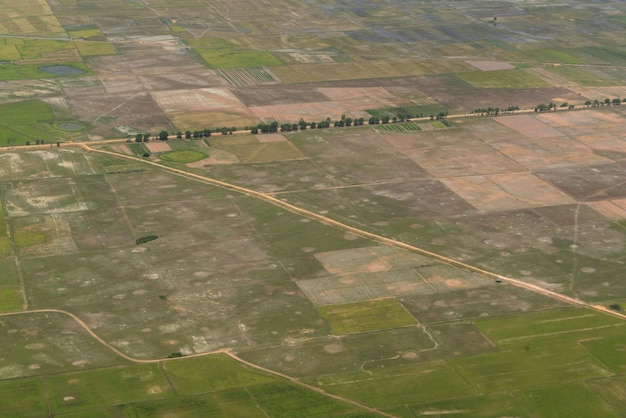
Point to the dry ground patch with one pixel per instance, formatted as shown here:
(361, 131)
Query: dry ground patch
(503, 192)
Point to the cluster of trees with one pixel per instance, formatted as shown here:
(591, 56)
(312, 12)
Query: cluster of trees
(402, 115)
(494, 111)
(606, 102)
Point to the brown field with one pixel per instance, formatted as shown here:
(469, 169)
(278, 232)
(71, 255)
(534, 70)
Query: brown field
(529, 126)
(506, 192)
(549, 152)
(158, 146)
(271, 138)
(473, 159)
(612, 209)
(490, 65)
(122, 149)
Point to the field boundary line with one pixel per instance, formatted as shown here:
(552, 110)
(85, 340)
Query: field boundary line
(362, 233)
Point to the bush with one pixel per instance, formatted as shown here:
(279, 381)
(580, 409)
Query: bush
(145, 239)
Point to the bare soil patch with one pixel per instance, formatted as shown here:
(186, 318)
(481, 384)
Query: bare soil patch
(549, 152)
(490, 65)
(473, 159)
(506, 192)
(529, 126)
(122, 149)
(271, 138)
(159, 146)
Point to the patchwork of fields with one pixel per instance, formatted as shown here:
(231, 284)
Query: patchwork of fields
(320, 269)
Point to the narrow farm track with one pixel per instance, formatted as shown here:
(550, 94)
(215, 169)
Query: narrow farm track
(365, 234)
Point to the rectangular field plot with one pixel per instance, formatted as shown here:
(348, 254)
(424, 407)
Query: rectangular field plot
(44, 164)
(445, 278)
(550, 152)
(394, 386)
(23, 398)
(538, 324)
(44, 235)
(504, 79)
(566, 400)
(474, 159)
(55, 195)
(235, 403)
(500, 405)
(612, 390)
(529, 126)
(363, 286)
(85, 390)
(370, 260)
(609, 350)
(501, 192)
(366, 316)
(212, 373)
(527, 364)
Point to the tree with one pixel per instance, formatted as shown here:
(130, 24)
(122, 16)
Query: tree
(187, 134)
(179, 135)
(163, 135)
(146, 137)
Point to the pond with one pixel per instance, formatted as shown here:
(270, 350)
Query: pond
(62, 70)
(70, 126)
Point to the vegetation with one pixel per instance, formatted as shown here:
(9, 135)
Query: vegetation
(183, 156)
(366, 316)
(145, 239)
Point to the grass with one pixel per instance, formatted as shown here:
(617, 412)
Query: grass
(138, 148)
(565, 400)
(500, 405)
(10, 299)
(393, 386)
(229, 58)
(609, 350)
(554, 56)
(212, 373)
(283, 399)
(23, 239)
(528, 364)
(580, 76)
(183, 156)
(232, 403)
(544, 323)
(366, 316)
(23, 398)
(503, 79)
(86, 49)
(27, 121)
(86, 390)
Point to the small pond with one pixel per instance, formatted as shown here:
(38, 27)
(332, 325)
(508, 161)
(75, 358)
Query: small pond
(62, 70)
(70, 126)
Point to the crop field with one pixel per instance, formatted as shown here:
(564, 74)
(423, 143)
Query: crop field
(366, 316)
(469, 264)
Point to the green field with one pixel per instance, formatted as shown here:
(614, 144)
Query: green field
(231, 58)
(27, 121)
(366, 316)
(183, 156)
(400, 385)
(581, 76)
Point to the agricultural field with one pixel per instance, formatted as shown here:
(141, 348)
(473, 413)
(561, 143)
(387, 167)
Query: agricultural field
(456, 260)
